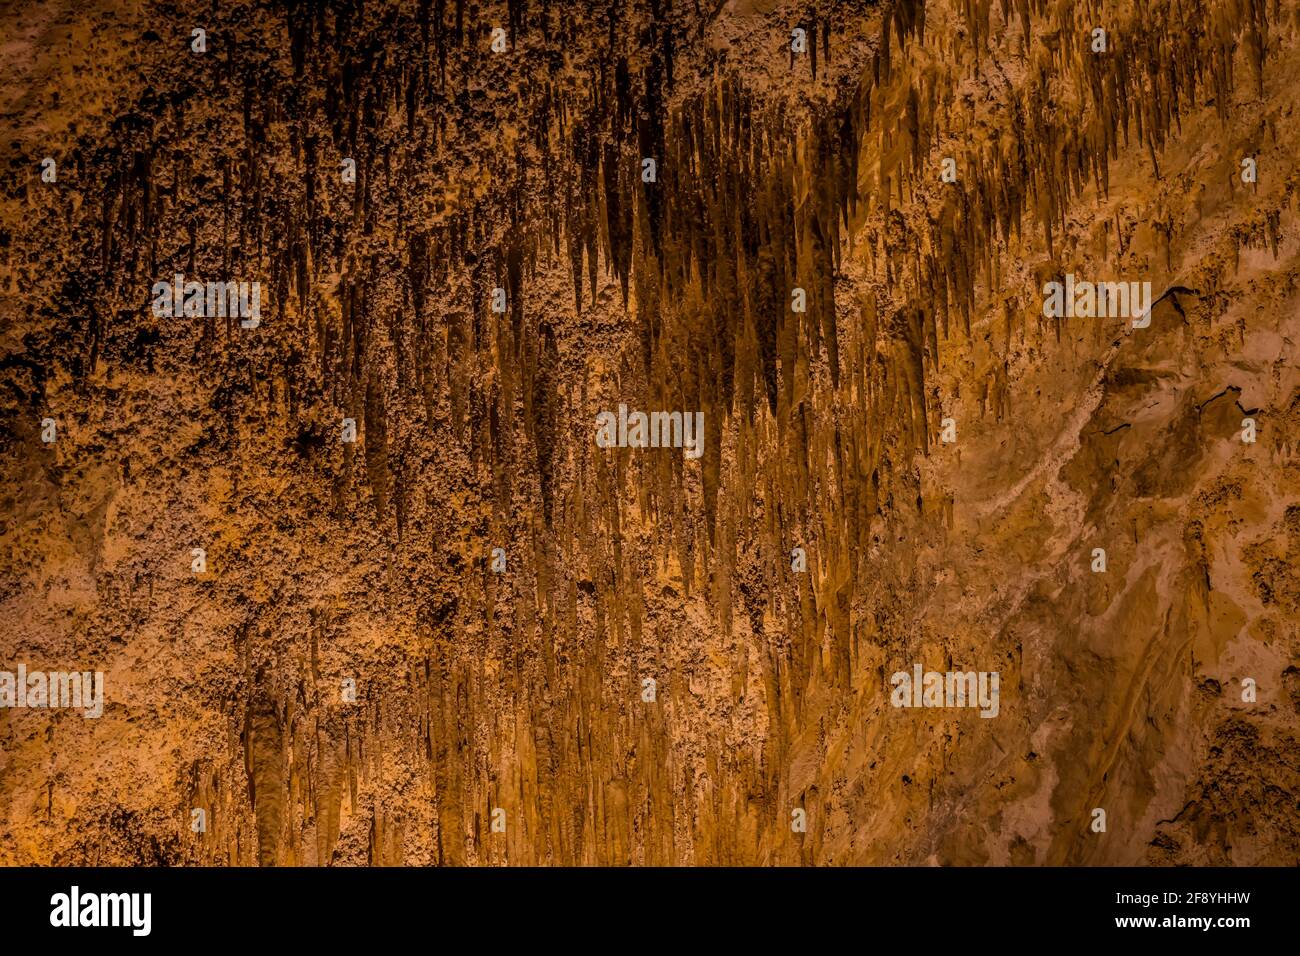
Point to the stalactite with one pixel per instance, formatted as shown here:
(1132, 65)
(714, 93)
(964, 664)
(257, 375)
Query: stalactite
(820, 412)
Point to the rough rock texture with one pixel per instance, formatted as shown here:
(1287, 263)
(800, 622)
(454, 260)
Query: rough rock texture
(523, 689)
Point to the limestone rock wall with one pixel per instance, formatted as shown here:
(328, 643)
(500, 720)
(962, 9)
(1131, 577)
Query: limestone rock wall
(839, 259)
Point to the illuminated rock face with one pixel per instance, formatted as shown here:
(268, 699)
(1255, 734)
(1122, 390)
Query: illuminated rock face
(365, 587)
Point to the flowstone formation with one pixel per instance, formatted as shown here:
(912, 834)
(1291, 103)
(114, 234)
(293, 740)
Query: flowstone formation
(651, 433)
